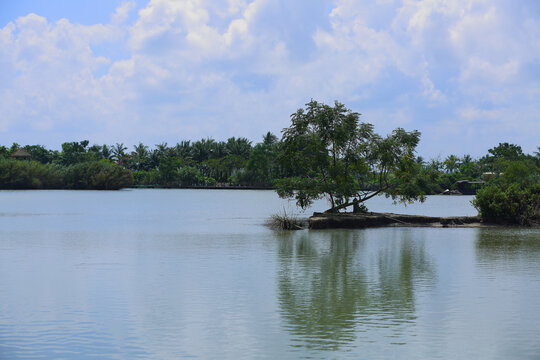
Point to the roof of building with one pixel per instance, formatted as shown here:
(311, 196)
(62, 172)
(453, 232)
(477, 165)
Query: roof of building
(21, 153)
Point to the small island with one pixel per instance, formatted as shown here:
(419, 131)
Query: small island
(332, 155)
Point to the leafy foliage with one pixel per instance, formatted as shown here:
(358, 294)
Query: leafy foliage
(16, 174)
(512, 198)
(330, 153)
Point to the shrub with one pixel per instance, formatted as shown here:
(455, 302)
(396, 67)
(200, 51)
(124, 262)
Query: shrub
(97, 175)
(512, 203)
(17, 174)
(283, 221)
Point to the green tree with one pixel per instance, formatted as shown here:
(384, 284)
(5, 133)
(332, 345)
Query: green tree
(140, 157)
(513, 197)
(333, 155)
(40, 153)
(118, 151)
(506, 151)
(4, 152)
(183, 150)
(74, 152)
(239, 147)
(451, 163)
(262, 167)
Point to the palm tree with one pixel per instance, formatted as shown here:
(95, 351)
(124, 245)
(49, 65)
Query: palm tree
(183, 149)
(269, 139)
(118, 151)
(218, 150)
(162, 150)
(202, 149)
(140, 155)
(451, 163)
(106, 152)
(240, 147)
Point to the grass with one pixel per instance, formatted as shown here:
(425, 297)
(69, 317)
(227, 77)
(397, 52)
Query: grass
(284, 221)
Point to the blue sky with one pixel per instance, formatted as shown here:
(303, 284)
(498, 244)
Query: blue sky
(466, 73)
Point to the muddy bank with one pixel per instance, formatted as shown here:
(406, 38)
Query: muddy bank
(359, 221)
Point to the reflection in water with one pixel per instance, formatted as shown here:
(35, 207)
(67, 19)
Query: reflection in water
(498, 246)
(333, 287)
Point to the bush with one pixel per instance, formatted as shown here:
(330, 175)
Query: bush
(17, 174)
(97, 175)
(511, 203)
(142, 177)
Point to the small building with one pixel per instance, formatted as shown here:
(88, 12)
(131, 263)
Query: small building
(21, 154)
(467, 187)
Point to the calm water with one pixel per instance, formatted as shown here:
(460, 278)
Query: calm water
(169, 274)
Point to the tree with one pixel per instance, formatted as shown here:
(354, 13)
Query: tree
(262, 167)
(514, 197)
(4, 152)
(118, 151)
(140, 156)
(451, 163)
(238, 147)
(269, 139)
(74, 152)
(40, 153)
(506, 151)
(183, 150)
(327, 152)
(201, 150)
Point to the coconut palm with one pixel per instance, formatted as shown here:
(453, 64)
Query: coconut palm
(239, 147)
(140, 156)
(118, 151)
(451, 163)
(269, 139)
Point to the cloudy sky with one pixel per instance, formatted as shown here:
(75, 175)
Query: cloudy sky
(466, 73)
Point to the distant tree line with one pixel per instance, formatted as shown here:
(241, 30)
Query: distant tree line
(207, 162)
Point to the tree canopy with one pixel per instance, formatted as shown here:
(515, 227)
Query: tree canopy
(330, 153)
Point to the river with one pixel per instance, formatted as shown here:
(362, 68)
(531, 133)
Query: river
(172, 274)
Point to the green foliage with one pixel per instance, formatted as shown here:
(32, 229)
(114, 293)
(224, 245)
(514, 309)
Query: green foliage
(41, 154)
(168, 171)
(4, 152)
(327, 152)
(142, 177)
(262, 168)
(512, 203)
(97, 175)
(506, 151)
(514, 197)
(15, 174)
(74, 152)
(349, 153)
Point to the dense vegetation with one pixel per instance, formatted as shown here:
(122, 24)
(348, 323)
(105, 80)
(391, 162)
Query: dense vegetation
(513, 197)
(235, 162)
(326, 151)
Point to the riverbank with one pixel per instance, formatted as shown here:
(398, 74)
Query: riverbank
(204, 187)
(360, 221)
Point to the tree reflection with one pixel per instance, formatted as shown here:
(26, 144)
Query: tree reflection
(329, 290)
(509, 245)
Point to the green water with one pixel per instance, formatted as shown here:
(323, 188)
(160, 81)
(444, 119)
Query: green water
(168, 274)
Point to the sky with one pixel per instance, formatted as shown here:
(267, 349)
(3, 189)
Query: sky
(465, 73)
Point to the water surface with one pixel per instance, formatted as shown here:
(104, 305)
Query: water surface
(168, 274)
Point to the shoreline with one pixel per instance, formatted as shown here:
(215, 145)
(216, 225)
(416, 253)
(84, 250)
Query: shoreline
(319, 221)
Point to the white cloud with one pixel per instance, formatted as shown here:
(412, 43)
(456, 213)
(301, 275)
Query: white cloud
(200, 68)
